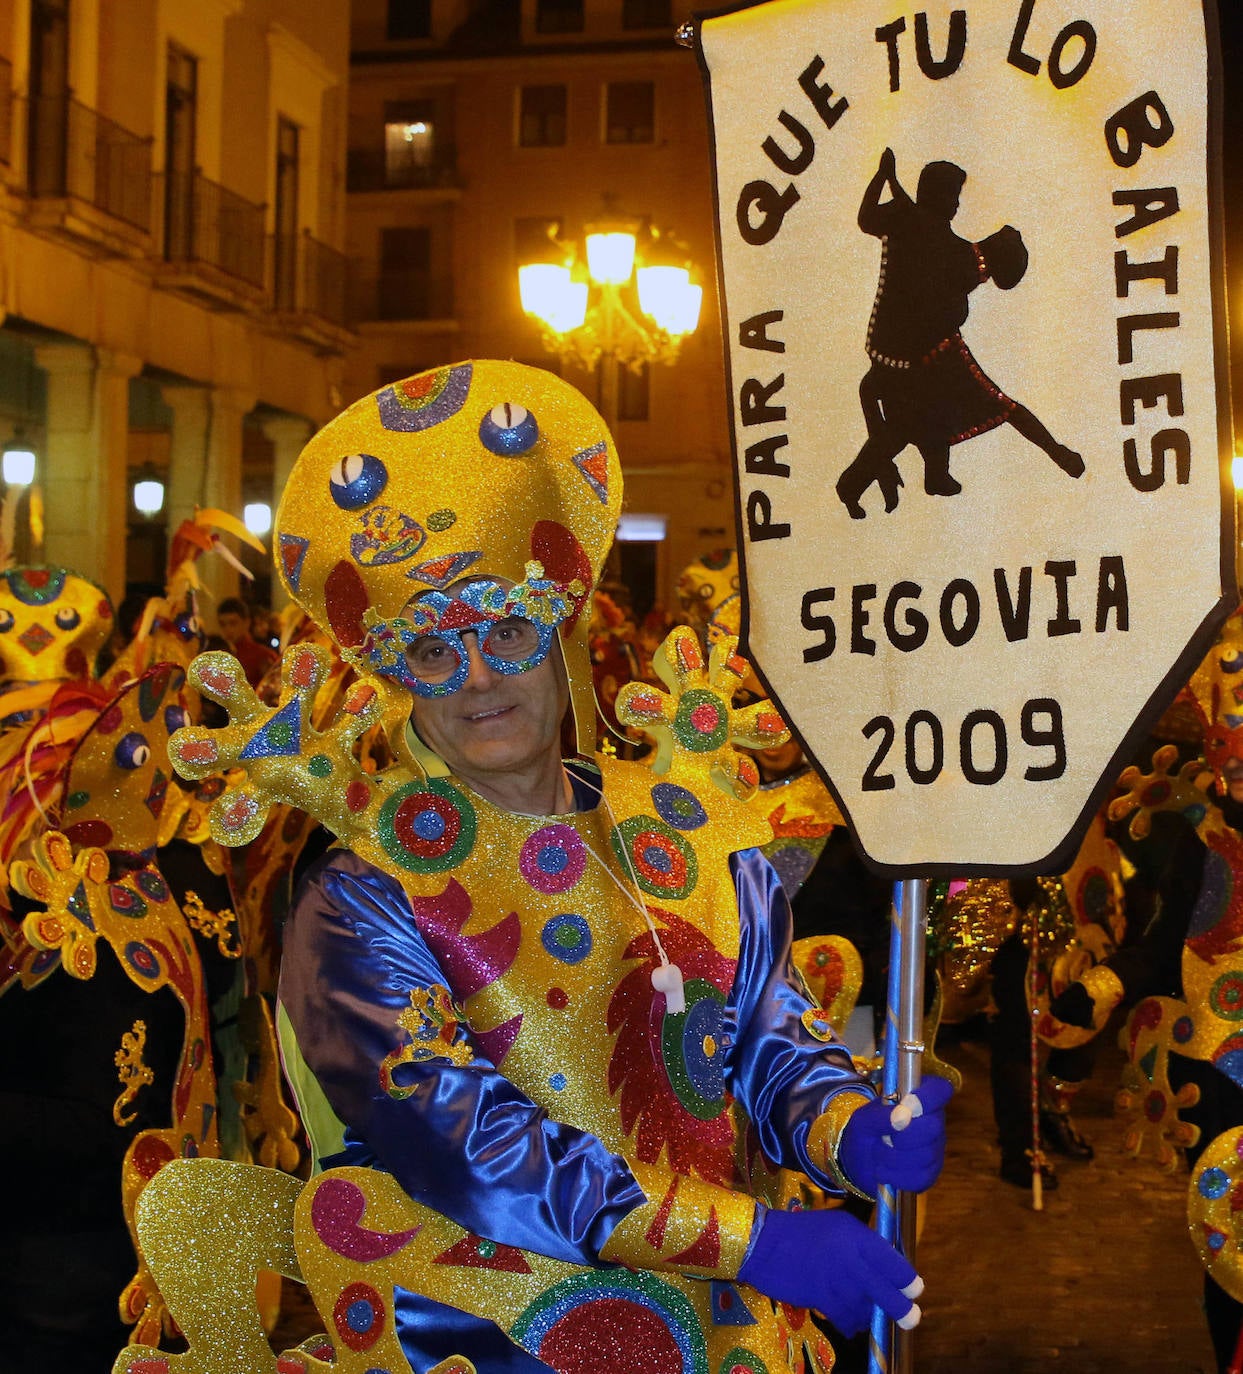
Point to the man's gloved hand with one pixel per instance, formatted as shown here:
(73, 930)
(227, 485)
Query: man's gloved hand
(903, 1146)
(832, 1262)
(1073, 1006)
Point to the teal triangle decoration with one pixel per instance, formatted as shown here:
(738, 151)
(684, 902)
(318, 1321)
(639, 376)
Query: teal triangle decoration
(1148, 1063)
(281, 737)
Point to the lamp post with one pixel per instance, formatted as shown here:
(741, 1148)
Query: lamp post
(626, 297)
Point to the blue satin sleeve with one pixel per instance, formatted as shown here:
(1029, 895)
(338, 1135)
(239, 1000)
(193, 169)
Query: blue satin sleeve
(781, 1075)
(465, 1141)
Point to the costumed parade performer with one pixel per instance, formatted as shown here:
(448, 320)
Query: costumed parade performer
(529, 1008)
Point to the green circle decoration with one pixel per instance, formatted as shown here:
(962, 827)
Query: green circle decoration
(663, 861)
(692, 1051)
(1226, 996)
(702, 721)
(427, 827)
(741, 1361)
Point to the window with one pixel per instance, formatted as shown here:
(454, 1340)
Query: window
(633, 392)
(533, 239)
(405, 286)
(409, 142)
(630, 112)
(285, 244)
(541, 117)
(409, 19)
(647, 14)
(558, 16)
(179, 118)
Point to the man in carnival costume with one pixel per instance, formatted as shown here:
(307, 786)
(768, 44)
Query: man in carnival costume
(552, 1001)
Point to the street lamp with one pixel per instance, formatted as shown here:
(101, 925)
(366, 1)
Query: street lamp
(623, 297)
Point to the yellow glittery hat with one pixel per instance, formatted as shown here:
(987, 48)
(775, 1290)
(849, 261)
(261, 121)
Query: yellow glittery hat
(53, 624)
(477, 469)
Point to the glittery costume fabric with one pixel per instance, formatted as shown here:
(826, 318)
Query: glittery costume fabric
(573, 1103)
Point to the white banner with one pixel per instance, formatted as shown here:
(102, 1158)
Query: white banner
(973, 287)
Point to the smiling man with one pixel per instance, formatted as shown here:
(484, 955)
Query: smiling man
(553, 1008)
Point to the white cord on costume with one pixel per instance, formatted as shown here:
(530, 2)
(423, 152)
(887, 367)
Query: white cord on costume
(668, 977)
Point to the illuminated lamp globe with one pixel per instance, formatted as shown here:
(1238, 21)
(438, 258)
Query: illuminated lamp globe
(257, 517)
(148, 496)
(18, 464)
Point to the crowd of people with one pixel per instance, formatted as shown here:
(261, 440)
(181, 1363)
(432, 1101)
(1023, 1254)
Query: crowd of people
(516, 878)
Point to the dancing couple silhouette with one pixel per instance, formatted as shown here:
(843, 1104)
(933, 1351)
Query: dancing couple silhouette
(924, 387)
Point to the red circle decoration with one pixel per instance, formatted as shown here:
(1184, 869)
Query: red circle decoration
(651, 867)
(558, 999)
(408, 813)
(150, 1155)
(359, 1316)
(357, 794)
(598, 1337)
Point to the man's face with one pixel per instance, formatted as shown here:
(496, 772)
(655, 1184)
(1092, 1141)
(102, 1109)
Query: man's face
(233, 626)
(497, 723)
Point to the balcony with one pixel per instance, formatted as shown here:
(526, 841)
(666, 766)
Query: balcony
(309, 290)
(405, 295)
(214, 243)
(373, 169)
(89, 178)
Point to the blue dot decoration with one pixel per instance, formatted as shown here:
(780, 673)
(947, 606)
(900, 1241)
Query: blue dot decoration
(429, 825)
(557, 1082)
(552, 859)
(1182, 1030)
(658, 859)
(1216, 1239)
(1214, 1183)
(132, 750)
(678, 807)
(359, 1315)
(141, 959)
(152, 883)
(357, 480)
(508, 430)
(567, 938)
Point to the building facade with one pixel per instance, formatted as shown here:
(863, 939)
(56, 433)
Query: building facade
(172, 282)
(474, 126)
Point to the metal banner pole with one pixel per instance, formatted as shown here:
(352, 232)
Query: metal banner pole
(895, 1212)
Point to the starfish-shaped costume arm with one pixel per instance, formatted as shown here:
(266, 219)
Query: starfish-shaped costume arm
(695, 725)
(285, 758)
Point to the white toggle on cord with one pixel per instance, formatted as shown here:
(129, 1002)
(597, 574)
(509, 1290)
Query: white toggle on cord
(903, 1114)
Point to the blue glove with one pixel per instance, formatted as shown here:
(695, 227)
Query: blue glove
(874, 1150)
(832, 1262)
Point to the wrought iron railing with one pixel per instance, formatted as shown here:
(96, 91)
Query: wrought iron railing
(76, 151)
(309, 278)
(372, 169)
(324, 276)
(207, 223)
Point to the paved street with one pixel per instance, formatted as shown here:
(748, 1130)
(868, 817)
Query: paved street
(1103, 1281)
